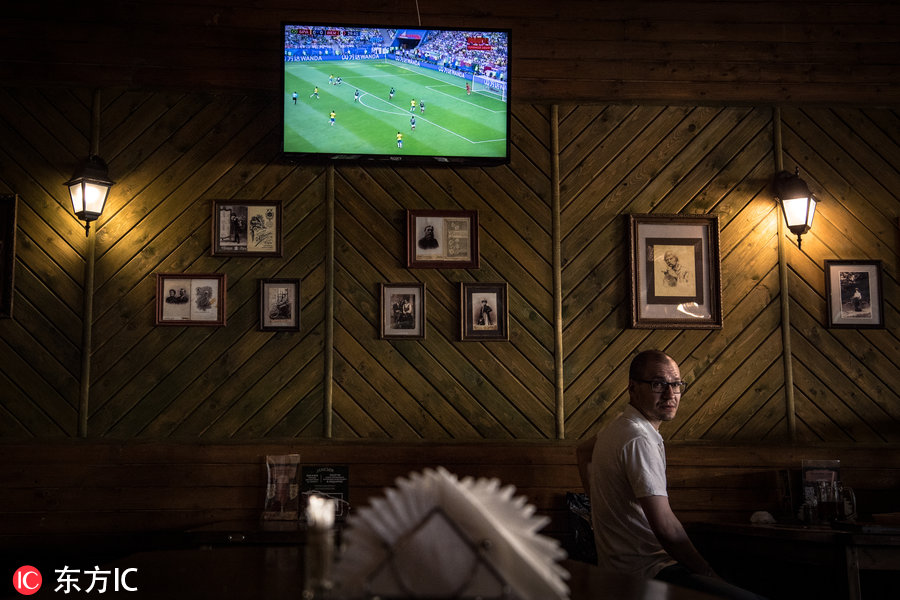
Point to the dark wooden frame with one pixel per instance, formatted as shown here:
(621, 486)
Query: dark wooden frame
(386, 330)
(8, 208)
(470, 296)
(269, 323)
(444, 221)
(694, 302)
(839, 299)
(268, 211)
(193, 280)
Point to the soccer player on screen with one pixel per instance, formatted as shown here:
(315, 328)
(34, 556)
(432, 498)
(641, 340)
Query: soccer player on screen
(331, 116)
(468, 90)
(315, 93)
(391, 96)
(356, 96)
(422, 106)
(412, 122)
(399, 140)
(294, 97)
(412, 105)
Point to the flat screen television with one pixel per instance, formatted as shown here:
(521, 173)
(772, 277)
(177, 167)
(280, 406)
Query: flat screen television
(402, 94)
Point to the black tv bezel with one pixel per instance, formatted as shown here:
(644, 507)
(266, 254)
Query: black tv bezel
(388, 158)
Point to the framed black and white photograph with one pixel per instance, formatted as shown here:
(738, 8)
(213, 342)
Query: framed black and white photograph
(484, 312)
(445, 239)
(190, 299)
(246, 229)
(279, 305)
(675, 271)
(854, 294)
(402, 311)
(8, 203)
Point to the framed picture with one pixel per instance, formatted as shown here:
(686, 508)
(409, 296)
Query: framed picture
(279, 305)
(854, 294)
(246, 228)
(442, 239)
(190, 299)
(675, 271)
(484, 312)
(402, 311)
(8, 204)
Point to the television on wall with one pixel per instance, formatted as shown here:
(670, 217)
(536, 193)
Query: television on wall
(400, 94)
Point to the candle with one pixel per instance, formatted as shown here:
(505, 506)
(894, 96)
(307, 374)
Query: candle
(319, 551)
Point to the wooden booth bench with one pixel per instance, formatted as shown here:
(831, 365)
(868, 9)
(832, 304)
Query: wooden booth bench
(96, 491)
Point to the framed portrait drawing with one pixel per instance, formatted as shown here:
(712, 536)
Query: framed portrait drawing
(445, 239)
(853, 294)
(190, 299)
(484, 312)
(402, 311)
(246, 228)
(675, 271)
(279, 305)
(8, 203)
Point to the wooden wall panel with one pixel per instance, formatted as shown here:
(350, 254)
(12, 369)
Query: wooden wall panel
(172, 153)
(850, 159)
(440, 387)
(671, 160)
(798, 51)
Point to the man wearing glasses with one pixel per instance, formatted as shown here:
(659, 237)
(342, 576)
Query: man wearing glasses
(635, 530)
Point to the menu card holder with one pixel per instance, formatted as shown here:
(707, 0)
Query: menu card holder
(816, 473)
(282, 488)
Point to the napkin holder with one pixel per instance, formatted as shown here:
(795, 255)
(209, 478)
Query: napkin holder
(482, 580)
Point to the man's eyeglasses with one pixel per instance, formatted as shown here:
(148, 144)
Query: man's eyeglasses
(660, 386)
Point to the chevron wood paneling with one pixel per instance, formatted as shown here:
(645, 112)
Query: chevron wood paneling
(632, 159)
(846, 378)
(172, 153)
(440, 387)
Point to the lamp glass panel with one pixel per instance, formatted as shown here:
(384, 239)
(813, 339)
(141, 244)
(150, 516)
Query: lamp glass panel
(796, 211)
(94, 197)
(77, 194)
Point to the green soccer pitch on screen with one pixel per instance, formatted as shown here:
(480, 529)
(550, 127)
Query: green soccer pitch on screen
(396, 94)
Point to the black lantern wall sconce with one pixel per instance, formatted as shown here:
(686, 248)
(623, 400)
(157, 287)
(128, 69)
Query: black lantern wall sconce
(88, 189)
(797, 202)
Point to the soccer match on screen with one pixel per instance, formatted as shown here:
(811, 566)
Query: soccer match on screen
(368, 91)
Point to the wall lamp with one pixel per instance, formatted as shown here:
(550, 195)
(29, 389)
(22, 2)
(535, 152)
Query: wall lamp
(89, 188)
(798, 204)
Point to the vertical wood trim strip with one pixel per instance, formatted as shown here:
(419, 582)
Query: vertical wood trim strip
(786, 352)
(329, 306)
(87, 319)
(87, 306)
(557, 274)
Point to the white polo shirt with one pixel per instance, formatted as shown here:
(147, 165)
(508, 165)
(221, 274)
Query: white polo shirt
(629, 462)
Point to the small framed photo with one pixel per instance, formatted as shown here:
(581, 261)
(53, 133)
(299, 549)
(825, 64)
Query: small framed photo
(246, 228)
(279, 305)
(445, 239)
(484, 313)
(8, 204)
(853, 294)
(190, 299)
(675, 271)
(402, 311)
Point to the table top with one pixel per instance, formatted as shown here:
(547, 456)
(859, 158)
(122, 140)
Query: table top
(838, 533)
(275, 572)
